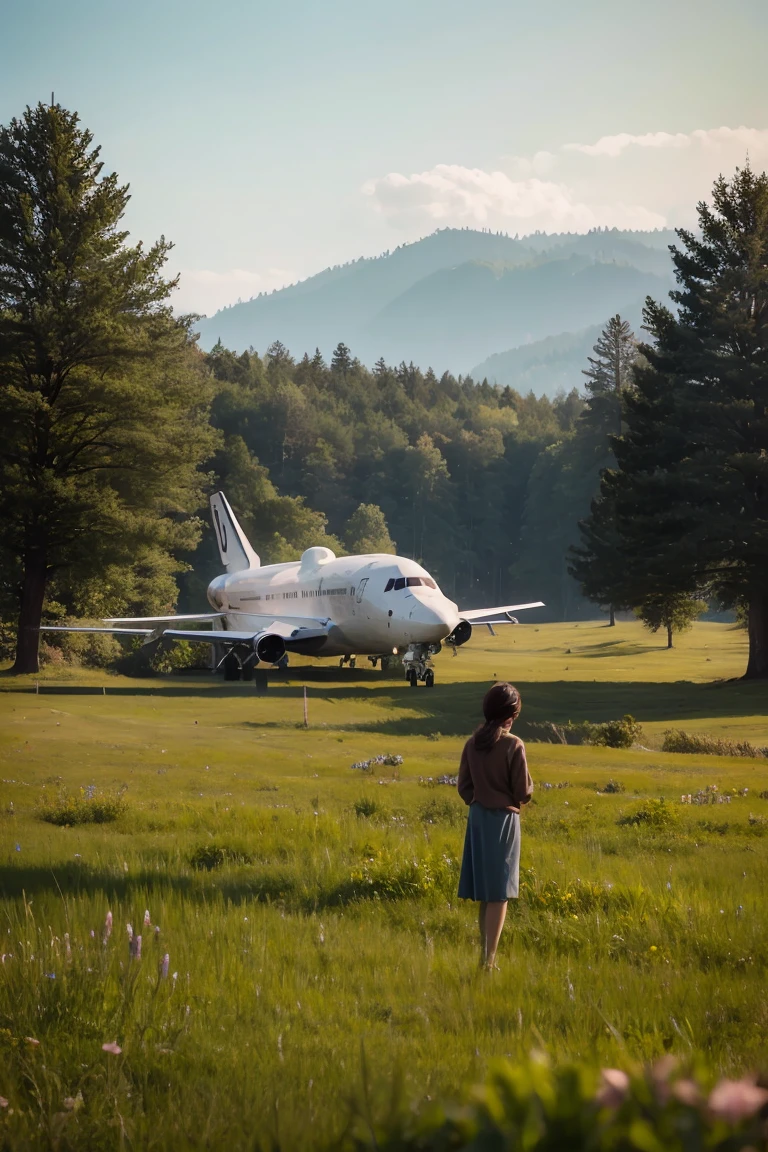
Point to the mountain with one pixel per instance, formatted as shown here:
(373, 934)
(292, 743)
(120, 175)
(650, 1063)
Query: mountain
(455, 298)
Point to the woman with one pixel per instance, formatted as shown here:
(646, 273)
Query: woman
(494, 782)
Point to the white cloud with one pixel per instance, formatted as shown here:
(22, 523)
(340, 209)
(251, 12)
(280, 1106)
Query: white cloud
(628, 180)
(450, 194)
(744, 139)
(204, 291)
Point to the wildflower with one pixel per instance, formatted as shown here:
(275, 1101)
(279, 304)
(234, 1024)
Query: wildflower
(653, 948)
(73, 1103)
(113, 1048)
(614, 1088)
(31, 1040)
(687, 1092)
(129, 929)
(3, 1102)
(164, 965)
(50, 975)
(134, 947)
(18, 847)
(157, 931)
(67, 946)
(735, 1100)
(147, 920)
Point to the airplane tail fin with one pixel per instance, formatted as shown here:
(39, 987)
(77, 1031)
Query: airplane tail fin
(235, 551)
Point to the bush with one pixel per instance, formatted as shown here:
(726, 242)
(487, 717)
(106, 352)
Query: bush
(676, 740)
(612, 734)
(531, 1105)
(657, 814)
(213, 855)
(441, 810)
(85, 807)
(613, 786)
(366, 806)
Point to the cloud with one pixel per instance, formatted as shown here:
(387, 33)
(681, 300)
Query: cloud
(204, 291)
(627, 180)
(743, 138)
(450, 194)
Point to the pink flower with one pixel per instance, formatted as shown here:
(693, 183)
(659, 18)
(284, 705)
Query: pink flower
(687, 1092)
(735, 1100)
(31, 1040)
(614, 1088)
(3, 1102)
(147, 920)
(113, 1048)
(164, 965)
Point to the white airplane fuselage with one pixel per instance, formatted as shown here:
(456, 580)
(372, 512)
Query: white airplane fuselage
(374, 604)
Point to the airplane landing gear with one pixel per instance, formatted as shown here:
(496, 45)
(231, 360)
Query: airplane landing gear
(417, 661)
(351, 660)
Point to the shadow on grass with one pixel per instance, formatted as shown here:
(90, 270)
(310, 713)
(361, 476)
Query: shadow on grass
(267, 887)
(455, 709)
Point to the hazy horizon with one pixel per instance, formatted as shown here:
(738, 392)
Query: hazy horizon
(270, 142)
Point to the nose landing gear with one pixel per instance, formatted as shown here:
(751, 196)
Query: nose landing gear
(417, 661)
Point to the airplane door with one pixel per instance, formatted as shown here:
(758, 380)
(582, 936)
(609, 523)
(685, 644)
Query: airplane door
(361, 591)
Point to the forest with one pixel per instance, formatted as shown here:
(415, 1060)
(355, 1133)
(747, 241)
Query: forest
(641, 487)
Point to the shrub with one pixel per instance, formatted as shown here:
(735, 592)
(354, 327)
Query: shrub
(442, 810)
(213, 855)
(366, 806)
(84, 807)
(613, 786)
(612, 734)
(657, 814)
(676, 740)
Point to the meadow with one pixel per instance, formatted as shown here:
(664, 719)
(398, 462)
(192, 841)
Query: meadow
(305, 970)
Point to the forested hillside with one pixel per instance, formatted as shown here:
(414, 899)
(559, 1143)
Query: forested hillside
(454, 466)
(455, 298)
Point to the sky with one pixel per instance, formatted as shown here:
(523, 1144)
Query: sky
(269, 140)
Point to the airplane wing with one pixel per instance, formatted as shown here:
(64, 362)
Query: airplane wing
(501, 615)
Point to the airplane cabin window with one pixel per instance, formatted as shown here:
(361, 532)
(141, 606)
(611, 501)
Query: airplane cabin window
(390, 584)
(399, 583)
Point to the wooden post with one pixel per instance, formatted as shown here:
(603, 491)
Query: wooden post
(306, 709)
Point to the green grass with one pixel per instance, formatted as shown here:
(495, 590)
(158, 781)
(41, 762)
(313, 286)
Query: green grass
(309, 911)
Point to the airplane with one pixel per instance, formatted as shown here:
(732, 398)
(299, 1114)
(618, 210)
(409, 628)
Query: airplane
(377, 606)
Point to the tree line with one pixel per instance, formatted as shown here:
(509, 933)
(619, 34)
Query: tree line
(114, 427)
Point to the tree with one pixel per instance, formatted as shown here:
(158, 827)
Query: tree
(674, 613)
(608, 377)
(598, 564)
(691, 486)
(367, 531)
(103, 395)
(341, 361)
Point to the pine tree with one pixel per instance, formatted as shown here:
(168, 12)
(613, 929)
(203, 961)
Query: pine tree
(691, 487)
(102, 394)
(598, 564)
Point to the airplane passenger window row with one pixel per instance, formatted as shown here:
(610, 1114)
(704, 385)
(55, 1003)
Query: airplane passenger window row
(399, 582)
(308, 594)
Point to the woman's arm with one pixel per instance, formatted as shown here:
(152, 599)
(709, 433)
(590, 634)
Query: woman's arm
(465, 786)
(520, 783)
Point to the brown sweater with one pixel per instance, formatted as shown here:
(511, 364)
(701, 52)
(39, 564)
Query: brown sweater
(497, 778)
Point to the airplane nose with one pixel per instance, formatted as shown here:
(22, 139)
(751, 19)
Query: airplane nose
(431, 623)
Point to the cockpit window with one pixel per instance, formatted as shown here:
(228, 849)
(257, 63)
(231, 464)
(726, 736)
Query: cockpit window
(409, 582)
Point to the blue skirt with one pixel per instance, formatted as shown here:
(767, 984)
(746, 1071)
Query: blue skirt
(490, 868)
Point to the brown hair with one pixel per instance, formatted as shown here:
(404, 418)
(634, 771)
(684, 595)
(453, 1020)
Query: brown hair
(500, 703)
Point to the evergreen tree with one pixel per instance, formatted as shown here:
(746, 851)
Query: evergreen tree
(341, 361)
(608, 377)
(102, 396)
(691, 487)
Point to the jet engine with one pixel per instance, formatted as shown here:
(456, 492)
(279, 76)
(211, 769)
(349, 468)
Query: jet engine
(460, 634)
(269, 647)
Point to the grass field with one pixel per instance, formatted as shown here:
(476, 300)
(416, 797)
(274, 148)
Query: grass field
(318, 956)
